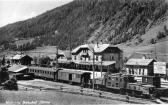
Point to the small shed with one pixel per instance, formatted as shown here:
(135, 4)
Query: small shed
(18, 69)
(22, 59)
(140, 67)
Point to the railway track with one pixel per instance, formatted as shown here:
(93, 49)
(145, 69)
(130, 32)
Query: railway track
(89, 92)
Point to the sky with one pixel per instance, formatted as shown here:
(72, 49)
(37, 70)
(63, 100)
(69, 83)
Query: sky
(16, 10)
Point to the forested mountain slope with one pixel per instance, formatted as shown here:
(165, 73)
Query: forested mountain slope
(106, 21)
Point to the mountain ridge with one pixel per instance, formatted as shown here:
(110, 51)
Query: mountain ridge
(85, 21)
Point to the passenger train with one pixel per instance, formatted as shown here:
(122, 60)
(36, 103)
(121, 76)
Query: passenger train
(125, 84)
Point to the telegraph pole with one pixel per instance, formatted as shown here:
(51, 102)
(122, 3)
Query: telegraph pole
(155, 50)
(56, 52)
(101, 64)
(70, 47)
(93, 70)
(56, 57)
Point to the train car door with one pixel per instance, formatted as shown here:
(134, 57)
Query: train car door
(70, 76)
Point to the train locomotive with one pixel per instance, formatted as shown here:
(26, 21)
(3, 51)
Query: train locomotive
(116, 82)
(126, 84)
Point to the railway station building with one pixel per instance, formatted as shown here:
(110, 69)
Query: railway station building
(107, 56)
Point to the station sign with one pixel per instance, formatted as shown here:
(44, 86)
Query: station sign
(160, 67)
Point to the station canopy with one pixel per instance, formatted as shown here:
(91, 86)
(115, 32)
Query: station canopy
(103, 63)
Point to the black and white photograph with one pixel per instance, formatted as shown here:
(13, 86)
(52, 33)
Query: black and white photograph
(83, 52)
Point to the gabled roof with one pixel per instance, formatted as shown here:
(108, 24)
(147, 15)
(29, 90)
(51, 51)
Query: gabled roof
(66, 53)
(160, 57)
(98, 48)
(18, 56)
(17, 68)
(142, 62)
(79, 47)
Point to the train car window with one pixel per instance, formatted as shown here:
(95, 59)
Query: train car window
(78, 76)
(109, 83)
(74, 75)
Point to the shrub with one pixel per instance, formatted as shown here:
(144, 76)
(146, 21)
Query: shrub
(161, 35)
(152, 41)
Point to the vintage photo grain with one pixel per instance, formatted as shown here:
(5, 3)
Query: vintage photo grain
(83, 52)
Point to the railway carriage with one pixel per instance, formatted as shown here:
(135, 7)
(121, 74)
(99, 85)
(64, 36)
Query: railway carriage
(74, 76)
(125, 84)
(43, 72)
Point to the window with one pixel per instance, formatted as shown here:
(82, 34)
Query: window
(75, 57)
(116, 79)
(109, 83)
(78, 75)
(116, 84)
(111, 58)
(132, 71)
(96, 58)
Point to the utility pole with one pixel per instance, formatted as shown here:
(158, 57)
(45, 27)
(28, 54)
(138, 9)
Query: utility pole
(101, 64)
(93, 70)
(56, 52)
(155, 50)
(56, 57)
(70, 47)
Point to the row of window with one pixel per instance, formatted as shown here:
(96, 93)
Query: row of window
(137, 71)
(40, 71)
(111, 58)
(112, 84)
(62, 74)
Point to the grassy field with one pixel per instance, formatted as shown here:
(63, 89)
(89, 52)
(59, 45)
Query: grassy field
(50, 98)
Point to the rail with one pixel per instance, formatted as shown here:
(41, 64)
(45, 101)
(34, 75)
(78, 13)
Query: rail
(88, 92)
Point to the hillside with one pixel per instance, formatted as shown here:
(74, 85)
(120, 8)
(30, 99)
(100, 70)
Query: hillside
(128, 22)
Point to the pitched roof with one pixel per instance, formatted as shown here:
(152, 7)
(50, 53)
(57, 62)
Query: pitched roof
(17, 68)
(66, 53)
(160, 57)
(142, 62)
(96, 47)
(18, 56)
